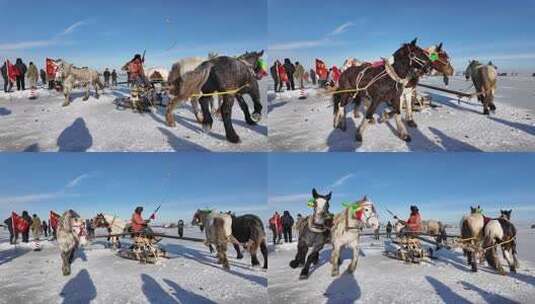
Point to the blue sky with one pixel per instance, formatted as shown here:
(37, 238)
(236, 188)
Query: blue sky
(443, 185)
(102, 33)
(116, 183)
(501, 31)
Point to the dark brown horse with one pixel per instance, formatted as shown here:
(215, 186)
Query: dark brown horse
(380, 83)
(237, 76)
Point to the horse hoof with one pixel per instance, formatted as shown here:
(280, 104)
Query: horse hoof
(358, 137)
(412, 124)
(303, 276)
(240, 256)
(486, 112)
(371, 121)
(206, 127)
(233, 138)
(256, 117)
(294, 264)
(65, 104)
(407, 138)
(335, 273)
(513, 269)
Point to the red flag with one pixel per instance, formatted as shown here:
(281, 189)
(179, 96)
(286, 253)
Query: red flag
(51, 68)
(321, 69)
(54, 219)
(19, 224)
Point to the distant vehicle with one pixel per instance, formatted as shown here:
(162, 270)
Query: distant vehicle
(502, 74)
(533, 226)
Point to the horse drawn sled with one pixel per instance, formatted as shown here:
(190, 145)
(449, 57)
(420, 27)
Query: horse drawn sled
(144, 249)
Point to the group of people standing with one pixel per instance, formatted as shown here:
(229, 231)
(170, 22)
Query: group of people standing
(283, 226)
(110, 75)
(33, 224)
(18, 73)
(288, 73)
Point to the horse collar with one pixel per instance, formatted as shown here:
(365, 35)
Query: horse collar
(315, 228)
(392, 73)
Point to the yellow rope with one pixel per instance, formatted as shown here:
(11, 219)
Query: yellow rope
(230, 92)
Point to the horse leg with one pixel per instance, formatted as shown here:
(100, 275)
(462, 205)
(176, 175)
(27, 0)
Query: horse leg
(95, 85)
(339, 120)
(245, 110)
(222, 252)
(407, 99)
(263, 249)
(335, 257)
(169, 116)
(238, 251)
(254, 92)
(66, 267)
(226, 113)
(507, 252)
(67, 93)
(483, 99)
(356, 106)
(195, 107)
(403, 134)
(355, 258)
(300, 256)
(205, 107)
(86, 96)
(369, 116)
(252, 250)
(313, 256)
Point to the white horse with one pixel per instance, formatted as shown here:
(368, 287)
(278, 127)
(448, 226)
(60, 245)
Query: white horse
(218, 231)
(70, 76)
(71, 234)
(501, 232)
(114, 224)
(346, 231)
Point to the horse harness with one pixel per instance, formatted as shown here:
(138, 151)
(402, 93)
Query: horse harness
(358, 217)
(316, 228)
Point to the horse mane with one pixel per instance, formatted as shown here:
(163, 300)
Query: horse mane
(65, 220)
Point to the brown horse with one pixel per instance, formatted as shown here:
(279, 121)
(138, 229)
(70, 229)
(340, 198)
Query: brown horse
(380, 83)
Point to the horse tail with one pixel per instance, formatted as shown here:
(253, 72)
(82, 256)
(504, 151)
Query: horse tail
(184, 86)
(490, 254)
(264, 250)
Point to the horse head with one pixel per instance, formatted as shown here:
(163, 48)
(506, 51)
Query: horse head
(367, 213)
(440, 61)
(471, 65)
(72, 223)
(413, 59)
(100, 220)
(199, 217)
(506, 214)
(320, 203)
(255, 61)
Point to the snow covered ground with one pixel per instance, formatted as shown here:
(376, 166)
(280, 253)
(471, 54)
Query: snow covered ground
(191, 275)
(306, 125)
(380, 279)
(98, 125)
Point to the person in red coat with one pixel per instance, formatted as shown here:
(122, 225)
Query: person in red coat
(139, 225)
(414, 223)
(275, 223)
(283, 76)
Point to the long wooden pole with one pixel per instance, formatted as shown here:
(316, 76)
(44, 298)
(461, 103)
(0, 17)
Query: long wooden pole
(445, 90)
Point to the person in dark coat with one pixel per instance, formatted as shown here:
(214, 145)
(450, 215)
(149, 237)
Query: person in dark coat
(28, 219)
(114, 78)
(290, 70)
(45, 228)
(107, 75)
(275, 74)
(22, 74)
(287, 224)
(12, 235)
(42, 73)
(388, 229)
(313, 76)
(180, 227)
(7, 82)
